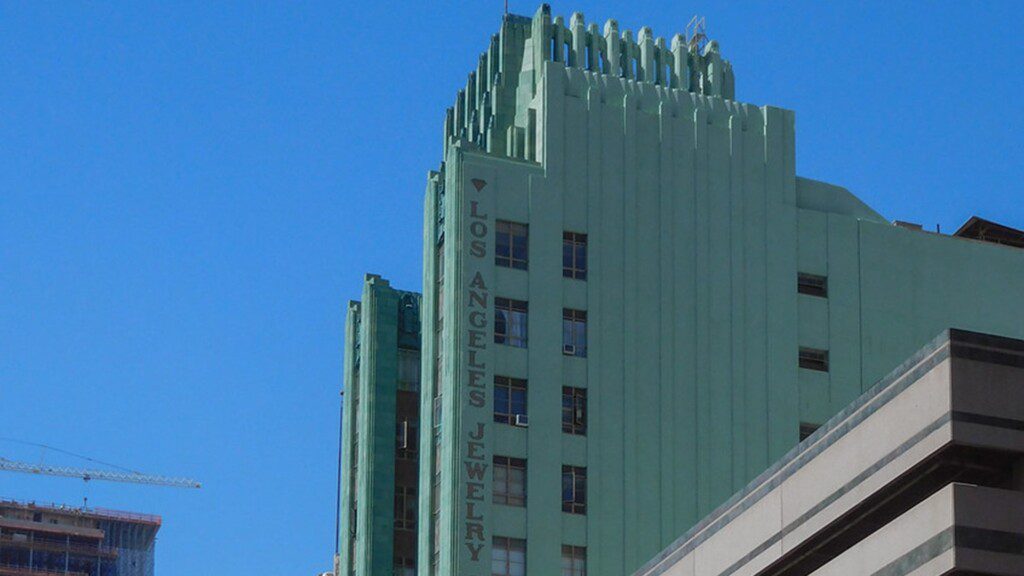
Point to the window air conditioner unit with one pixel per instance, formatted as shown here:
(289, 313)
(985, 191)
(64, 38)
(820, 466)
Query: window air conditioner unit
(521, 420)
(569, 349)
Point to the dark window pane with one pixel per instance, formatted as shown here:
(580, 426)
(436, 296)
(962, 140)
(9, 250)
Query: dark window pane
(814, 359)
(501, 406)
(500, 325)
(812, 285)
(519, 251)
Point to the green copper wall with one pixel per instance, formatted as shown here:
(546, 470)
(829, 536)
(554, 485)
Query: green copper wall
(698, 227)
(373, 334)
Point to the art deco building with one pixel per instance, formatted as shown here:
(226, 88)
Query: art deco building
(378, 501)
(633, 305)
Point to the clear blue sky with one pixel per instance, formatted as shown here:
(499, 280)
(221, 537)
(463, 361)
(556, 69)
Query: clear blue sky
(190, 192)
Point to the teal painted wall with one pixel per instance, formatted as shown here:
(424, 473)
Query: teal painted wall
(698, 227)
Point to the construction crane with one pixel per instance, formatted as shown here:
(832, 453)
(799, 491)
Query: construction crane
(87, 475)
(120, 475)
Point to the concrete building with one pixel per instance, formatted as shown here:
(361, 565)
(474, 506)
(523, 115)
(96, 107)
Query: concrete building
(633, 305)
(378, 500)
(41, 540)
(923, 475)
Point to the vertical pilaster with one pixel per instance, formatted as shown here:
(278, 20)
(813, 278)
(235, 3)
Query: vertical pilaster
(612, 46)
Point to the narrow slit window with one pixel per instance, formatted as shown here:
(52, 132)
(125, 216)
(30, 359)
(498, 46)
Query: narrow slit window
(812, 285)
(814, 359)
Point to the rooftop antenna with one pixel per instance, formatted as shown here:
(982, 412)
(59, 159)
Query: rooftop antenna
(506, 7)
(696, 33)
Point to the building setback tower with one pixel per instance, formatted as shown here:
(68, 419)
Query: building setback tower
(379, 454)
(633, 305)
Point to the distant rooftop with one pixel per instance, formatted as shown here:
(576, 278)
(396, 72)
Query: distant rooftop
(988, 231)
(95, 513)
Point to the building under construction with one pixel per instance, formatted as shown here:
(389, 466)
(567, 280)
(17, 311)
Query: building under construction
(43, 540)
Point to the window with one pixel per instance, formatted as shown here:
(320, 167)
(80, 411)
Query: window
(574, 332)
(510, 400)
(508, 556)
(510, 322)
(574, 255)
(574, 410)
(574, 489)
(574, 560)
(509, 481)
(814, 359)
(812, 285)
(807, 429)
(405, 508)
(510, 245)
(407, 440)
(408, 370)
(404, 566)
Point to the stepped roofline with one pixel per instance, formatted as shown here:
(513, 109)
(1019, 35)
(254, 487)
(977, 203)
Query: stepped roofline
(488, 112)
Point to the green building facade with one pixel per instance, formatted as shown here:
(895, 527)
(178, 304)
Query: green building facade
(633, 305)
(380, 449)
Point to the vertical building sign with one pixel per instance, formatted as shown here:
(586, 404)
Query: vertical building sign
(475, 465)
